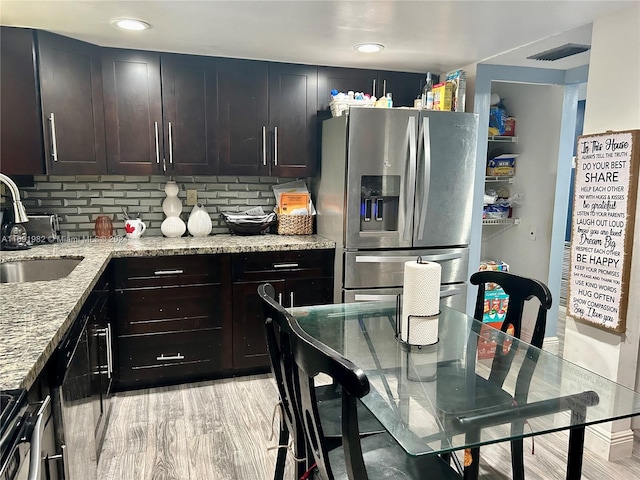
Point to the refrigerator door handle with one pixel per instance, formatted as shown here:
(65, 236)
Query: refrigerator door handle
(389, 259)
(410, 184)
(450, 292)
(426, 177)
(367, 297)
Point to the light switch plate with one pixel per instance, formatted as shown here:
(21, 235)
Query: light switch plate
(192, 197)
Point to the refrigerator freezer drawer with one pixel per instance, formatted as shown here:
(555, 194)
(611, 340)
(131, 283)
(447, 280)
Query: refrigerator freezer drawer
(454, 296)
(385, 268)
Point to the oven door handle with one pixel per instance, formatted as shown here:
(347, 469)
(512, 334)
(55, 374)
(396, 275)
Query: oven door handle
(35, 460)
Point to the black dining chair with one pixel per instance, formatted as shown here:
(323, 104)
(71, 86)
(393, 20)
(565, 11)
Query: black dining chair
(488, 393)
(360, 458)
(278, 333)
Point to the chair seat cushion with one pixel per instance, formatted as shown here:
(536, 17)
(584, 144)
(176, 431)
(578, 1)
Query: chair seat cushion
(330, 408)
(385, 459)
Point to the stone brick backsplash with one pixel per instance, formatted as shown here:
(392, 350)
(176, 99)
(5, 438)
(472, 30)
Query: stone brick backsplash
(78, 200)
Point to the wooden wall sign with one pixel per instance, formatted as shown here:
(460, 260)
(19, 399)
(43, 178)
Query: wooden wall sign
(604, 212)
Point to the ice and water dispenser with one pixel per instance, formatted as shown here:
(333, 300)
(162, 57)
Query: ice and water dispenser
(379, 201)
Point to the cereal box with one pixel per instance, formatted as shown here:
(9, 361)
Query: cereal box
(502, 165)
(442, 96)
(458, 79)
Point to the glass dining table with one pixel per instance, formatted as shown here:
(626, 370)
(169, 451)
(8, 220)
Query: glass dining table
(452, 395)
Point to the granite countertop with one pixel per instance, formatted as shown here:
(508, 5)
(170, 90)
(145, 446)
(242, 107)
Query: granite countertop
(35, 316)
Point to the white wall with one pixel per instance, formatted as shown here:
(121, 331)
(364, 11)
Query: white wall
(613, 103)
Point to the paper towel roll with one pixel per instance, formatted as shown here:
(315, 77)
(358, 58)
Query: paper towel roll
(420, 298)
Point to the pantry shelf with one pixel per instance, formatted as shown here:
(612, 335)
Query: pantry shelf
(503, 139)
(500, 221)
(499, 179)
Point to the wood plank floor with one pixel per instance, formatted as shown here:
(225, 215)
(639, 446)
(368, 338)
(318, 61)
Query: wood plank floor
(219, 430)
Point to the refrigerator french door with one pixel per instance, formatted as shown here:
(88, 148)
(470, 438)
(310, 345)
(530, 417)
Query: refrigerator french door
(397, 184)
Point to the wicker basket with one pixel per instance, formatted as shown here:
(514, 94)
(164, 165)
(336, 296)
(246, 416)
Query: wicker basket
(295, 224)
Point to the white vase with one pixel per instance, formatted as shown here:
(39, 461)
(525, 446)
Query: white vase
(172, 226)
(199, 223)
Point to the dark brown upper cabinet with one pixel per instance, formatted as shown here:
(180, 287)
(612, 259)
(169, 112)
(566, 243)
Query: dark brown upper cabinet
(266, 118)
(21, 148)
(243, 116)
(343, 80)
(189, 100)
(133, 111)
(159, 113)
(292, 119)
(404, 87)
(72, 108)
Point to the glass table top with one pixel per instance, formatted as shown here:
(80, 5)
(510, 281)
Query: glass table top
(441, 397)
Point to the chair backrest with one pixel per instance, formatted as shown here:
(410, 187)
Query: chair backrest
(520, 290)
(311, 358)
(278, 335)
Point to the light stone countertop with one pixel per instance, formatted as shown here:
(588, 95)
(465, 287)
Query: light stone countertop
(35, 316)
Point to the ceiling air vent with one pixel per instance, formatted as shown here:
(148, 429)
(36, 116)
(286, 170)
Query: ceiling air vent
(560, 52)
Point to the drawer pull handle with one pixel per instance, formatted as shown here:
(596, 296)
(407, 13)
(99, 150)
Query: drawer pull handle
(170, 357)
(285, 265)
(169, 272)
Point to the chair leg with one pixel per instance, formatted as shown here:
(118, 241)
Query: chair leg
(472, 471)
(517, 459)
(281, 459)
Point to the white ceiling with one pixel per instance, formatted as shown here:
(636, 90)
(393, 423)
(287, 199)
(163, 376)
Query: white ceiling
(419, 36)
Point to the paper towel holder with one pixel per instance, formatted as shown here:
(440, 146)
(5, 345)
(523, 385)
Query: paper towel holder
(398, 327)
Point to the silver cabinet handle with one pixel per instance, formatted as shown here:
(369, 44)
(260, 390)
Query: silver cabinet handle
(155, 126)
(291, 296)
(170, 144)
(285, 265)
(373, 298)
(170, 357)
(264, 145)
(373, 93)
(393, 259)
(280, 298)
(275, 145)
(384, 88)
(109, 352)
(177, 271)
(54, 140)
(35, 461)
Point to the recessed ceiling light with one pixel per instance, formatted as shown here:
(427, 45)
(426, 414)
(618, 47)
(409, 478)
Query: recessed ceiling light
(131, 24)
(368, 47)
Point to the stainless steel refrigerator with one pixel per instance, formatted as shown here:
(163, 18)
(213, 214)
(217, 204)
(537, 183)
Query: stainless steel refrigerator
(396, 184)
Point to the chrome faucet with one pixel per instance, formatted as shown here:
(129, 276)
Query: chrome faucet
(19, 213)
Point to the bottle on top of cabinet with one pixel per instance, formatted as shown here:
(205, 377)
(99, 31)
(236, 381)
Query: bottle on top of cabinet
(427, 93)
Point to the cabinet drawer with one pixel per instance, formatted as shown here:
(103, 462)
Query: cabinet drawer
(160, 271)
(273, 265)
(167, 356)
(149, 310)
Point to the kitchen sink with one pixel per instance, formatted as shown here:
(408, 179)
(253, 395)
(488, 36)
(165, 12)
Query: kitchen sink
(35, 270)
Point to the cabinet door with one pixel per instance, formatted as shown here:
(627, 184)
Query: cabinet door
(21, 133)
(293, 106)
(189, 99)
(249, 342)
(133, 111)
(404, 87)
(243, 117)
(72, 110)
(309, 291)
(343, 80)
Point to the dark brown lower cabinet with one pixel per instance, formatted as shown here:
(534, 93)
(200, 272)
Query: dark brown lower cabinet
(299, 277)
(173, 318)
